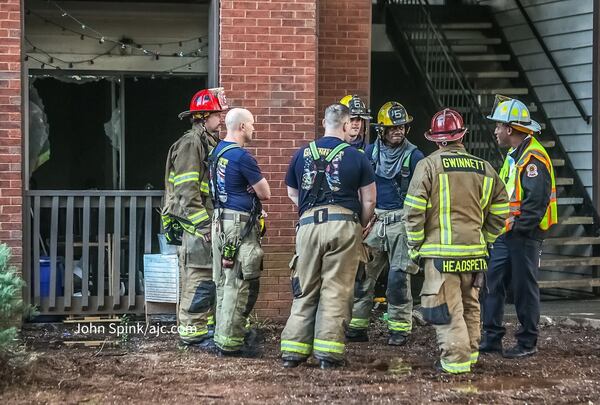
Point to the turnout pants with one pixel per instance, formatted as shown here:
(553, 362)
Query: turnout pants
(451, 304)
(323, 273)
(238, 286)
(389, 250)
(514, 263)
(197, 297)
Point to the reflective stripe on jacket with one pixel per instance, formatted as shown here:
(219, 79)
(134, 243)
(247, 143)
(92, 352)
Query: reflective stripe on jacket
(513, 181)
(456, 204)
(186, 180)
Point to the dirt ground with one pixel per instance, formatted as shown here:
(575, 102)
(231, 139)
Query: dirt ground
(144, 369)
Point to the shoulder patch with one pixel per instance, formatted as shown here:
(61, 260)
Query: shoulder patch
(532, 170)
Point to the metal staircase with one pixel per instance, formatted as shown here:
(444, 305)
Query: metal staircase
(463, 59)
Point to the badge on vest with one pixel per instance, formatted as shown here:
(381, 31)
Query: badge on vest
(531, 170)
(460, 265)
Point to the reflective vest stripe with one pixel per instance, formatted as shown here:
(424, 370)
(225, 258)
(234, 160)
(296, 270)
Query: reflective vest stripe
(474, 357)
(416, 236)
(198, 217)
(499, 209)
(296, 347)
(445, 222)
(490, 237)
(185, 331)
(359, 323)
(534, 149)
(415, 202)
(433, 250)
(399, 326)
(456, 368)
(488, 182)
(329, 346)
(204, 187)
(229, 341)
(186, 178)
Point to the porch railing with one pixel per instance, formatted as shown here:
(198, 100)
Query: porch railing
(410, 26)
(84, 249)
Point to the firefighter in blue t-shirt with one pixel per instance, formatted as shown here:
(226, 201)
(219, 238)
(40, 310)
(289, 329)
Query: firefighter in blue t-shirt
(394, 159)
(333, 185)
(238, 187)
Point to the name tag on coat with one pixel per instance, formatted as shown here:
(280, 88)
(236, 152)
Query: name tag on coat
(460, 265)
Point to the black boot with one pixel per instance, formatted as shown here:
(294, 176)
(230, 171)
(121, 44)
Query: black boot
(519, 351)
(328, 364)
(397, 339)
(357, 335)
(487, 346)
(290, 363)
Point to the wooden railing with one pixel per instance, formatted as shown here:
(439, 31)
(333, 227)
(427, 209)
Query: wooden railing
(84, 249)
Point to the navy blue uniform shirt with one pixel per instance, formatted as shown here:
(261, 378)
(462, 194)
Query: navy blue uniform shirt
(237, 171)
(347, 172)
(388, 192)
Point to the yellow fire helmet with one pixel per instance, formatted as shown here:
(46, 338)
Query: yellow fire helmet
(357, 107)
(392, 114)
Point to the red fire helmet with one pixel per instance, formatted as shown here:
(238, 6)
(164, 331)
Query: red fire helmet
(207, 101)
(446, 126)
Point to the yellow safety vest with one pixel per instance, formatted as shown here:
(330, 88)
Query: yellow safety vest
(512, 179)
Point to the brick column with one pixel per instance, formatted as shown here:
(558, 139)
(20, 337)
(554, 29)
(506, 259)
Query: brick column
(10, 128)
(268, 53)
(344, 50)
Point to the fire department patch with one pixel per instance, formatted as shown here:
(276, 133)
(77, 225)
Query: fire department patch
(531, 170)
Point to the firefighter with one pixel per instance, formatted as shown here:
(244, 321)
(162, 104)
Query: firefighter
(359, 120)
(455, 205)
(529, 177)
(333, 186)
(238, 188)
(394, 159)
(187, 211)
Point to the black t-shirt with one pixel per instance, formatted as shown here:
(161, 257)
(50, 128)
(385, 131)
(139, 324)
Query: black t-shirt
(347, 172)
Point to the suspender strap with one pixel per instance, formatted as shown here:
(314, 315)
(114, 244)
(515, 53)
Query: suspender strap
(320, 186)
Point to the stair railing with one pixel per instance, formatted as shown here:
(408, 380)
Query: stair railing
(443, 76)
(586, 117)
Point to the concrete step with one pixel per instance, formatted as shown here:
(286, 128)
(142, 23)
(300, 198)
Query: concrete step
(495, 74)
(466, 26)
(564, 181)
(576, 220)
(558, 162)
(577, 240)
(569, 200)
(569, 261)
(570, 283)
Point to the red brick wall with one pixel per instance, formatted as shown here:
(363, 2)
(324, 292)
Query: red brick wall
(268, 54)
(344, 50)
(10, 128)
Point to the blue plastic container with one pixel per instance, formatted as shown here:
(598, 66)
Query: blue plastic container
(45, 276)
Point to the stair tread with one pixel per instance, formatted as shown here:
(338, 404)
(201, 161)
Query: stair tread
(504, 91)
(466, 25)
(548, 144)
(569, 261)
(493, 74)
(475, 41)
(564, 181)
(570, 283)
(484, 57)
(576, 220)
(558, 162)
(573, 240)
(569, 200)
